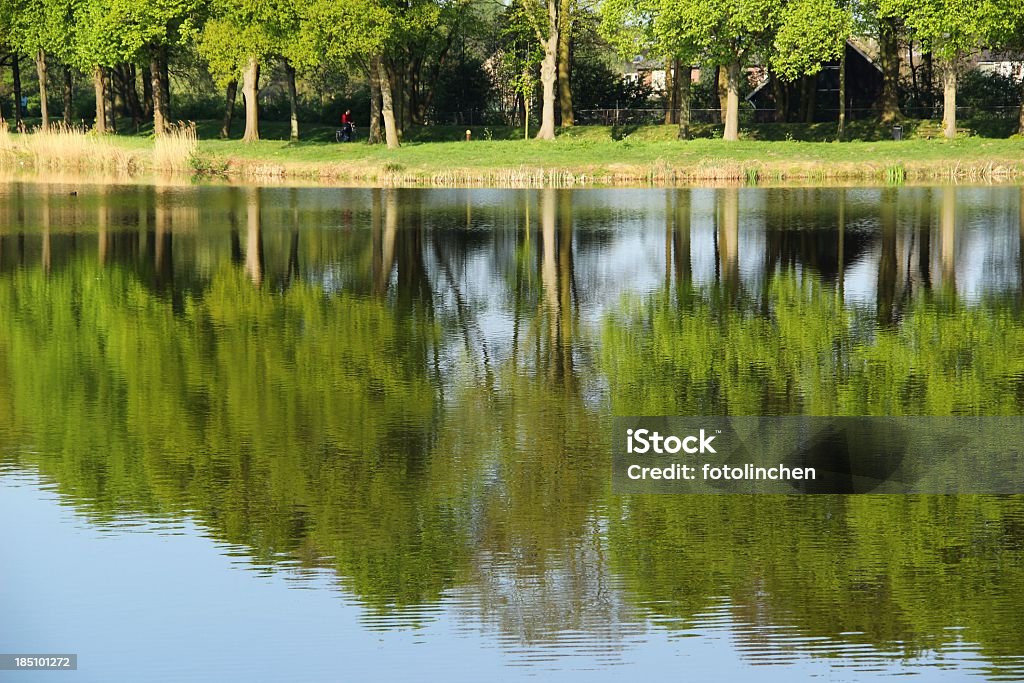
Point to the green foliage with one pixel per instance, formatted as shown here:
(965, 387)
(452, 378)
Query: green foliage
(112, 32)
(240, 30)
(339, 32)
(596, 80)
(463, 84)
(720, 31)
(987, 90)
(950, 29)
(810, 356)
(811, 32)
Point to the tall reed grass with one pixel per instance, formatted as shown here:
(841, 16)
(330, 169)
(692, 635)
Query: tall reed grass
(63, 147)
(177, 148)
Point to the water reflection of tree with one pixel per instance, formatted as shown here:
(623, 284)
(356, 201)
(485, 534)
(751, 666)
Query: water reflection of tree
(852, 570)
(305, 421)
(536, 454)
(892, 572)
(266, 414)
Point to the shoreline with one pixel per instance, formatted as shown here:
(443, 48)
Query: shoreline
(709, 173)
(587, 159)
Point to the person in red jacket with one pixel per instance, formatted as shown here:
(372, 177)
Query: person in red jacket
(346, 126)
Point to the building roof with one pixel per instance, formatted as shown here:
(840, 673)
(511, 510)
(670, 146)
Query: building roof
(850, 42)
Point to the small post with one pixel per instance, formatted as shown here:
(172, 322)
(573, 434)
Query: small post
(469, 134)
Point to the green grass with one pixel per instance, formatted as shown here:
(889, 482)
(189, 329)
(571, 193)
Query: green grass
(606, 155)
(602, 154)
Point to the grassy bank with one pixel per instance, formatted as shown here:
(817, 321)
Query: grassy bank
(591, 155)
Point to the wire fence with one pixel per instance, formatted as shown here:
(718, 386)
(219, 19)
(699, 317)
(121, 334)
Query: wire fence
(621, 116)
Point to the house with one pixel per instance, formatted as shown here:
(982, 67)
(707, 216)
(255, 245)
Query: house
(1006, 64)
(646, 72)
(816, 98)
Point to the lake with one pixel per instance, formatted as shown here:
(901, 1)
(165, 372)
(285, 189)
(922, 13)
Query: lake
(321, 434)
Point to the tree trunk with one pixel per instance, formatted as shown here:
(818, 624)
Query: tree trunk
(44, 106)
(929, 63)
(118, 101)
(69, 97)
(374, 135)
(669, 91)
(526, 117)
(251, 93)
(722, 87)
(890, 57)
(387, 107)
(1020, 122)
(108, 100)
(131, 94)
(160, 117)
(779, 95)
(915, 82)
(683, 80)
(147, 96)
(548, 69)
(404, 90)
(732, 110)
(97, 82)
(229, 108)
(678, 74)
(842, 94)
(396, 78)
(810, 97)
(293, 99)
(565, 63)
(165, 82)
(949, 101)
(19, 113)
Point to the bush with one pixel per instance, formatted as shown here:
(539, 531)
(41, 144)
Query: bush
(986, 91)
(463, 85)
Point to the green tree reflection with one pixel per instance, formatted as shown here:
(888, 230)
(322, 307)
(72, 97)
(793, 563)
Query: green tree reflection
(327, 398)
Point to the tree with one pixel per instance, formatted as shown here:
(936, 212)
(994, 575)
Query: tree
(425, 32)
(546, 18)
(40, 29)
(239, 39)
(98, 45)
(515, 56)
(1006, 31)
(161, 26)
(231, 92)
(950, 30)
(885, 19)
(360, 31)
(811, 33)
(565, 11)
(121, 34)
(647, 26)
(727, 33)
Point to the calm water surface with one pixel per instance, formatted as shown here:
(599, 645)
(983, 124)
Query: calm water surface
(346, 435)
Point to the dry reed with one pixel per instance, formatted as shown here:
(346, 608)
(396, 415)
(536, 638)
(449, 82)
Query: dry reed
(176, 149)
(62, 147)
